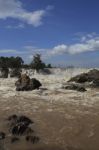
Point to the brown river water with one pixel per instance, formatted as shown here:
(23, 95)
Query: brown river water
(64, 120)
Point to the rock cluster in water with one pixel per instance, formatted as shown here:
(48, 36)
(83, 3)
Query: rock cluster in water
(24, 83)
(20, 126)
(90, 79)
(91, 76)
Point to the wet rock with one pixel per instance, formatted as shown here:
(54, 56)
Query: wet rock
(25, 83)
(29, 131)
(2, 135)
(12, 117)
(25, 120)
(95, 83)
(19, 125)
(12, 121)
(92, 75)
(34, 84)
(15, 72)
(75, 87)
(18, 129)
(14, 139)
(19, 119)
(32, 139)
(4, 72)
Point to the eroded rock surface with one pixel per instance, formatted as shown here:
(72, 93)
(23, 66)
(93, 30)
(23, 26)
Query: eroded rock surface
(91, 77)
(24, 83)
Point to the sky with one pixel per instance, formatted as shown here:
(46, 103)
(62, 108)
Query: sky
(64, 32)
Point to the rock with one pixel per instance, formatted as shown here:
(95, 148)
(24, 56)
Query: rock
(12, 117)
(22, 83)
(15, 72)
(75, 87)
(14, 139)
(95, 83)
(29, 131)
(20, 119)
(19, 129)
(12, 121)
(32, 139)
(4, 72)
(18, 125)
(91, 76)
(25, 83)
(79, 78)
(2, 135)
(24, 120)
(34, 84)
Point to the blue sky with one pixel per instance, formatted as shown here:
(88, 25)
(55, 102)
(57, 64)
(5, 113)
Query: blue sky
(65, 32)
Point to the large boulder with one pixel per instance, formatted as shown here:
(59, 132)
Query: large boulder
(24, 83)
(4, 72)
(91, 76)
(15, 72)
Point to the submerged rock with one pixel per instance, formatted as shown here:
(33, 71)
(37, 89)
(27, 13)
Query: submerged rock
(75, 87)
(2, 135)
(32, 139)
(14, 139)
(24, 83)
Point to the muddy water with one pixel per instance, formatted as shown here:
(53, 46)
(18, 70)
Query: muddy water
(64, 120)
(66, 126)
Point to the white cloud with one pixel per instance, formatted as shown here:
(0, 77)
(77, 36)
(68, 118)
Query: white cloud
(13, 9)
(88, 45)
(60, 49)
(81, 47)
